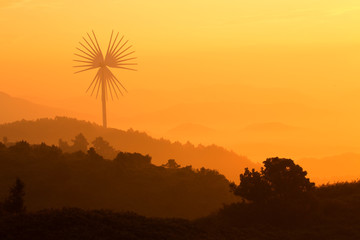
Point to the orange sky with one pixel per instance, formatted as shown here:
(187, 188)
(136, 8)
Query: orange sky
(281, 76)
(306, 45)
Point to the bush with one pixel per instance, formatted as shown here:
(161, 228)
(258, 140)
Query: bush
(280, 180)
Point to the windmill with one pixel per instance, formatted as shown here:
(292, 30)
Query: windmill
(118, 55)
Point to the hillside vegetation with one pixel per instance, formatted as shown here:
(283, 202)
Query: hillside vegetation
(129, 182)
(333, 213)
(51, 130)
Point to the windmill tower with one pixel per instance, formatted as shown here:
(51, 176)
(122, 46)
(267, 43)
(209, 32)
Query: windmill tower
(118, 55)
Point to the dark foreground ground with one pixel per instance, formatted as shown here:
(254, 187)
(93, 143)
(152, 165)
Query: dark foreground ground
(329, 212)
(333, 221)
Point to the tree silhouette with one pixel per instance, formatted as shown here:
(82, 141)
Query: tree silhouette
(93, 155)
(21, 147)
(79, 144)
(287, 179)
(281, 179)
(5, 140)
(103, 148)
(171, 164)
(133, 160)
(64, 146)
(14, 203)
(252, 186)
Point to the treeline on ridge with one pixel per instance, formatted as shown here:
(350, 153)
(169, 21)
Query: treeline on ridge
(51, 130)
(280, 203)
(129, 182)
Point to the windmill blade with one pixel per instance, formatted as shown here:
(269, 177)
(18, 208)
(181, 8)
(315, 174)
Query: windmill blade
(115, 53)
(113, 50)
(97, 43)
(112, 84)
(110, 59)
(89, 65)
(104, 83)
(107, 52)
(94, 87)
(126, 68)
(123, 51)
(95, 78)
(113, 76)
(96, 84)
(110, 49)
(95, 46)
(91, 53)
(125, 55)
(124, 64)
(109, 87)
(105, 92)
(120, 62)
(83, 56)
(92, 58)
(95, 51)
(107, 73)
(101, 82)
(75, 60)
(117, 86)
(124, 60)
(85, 69)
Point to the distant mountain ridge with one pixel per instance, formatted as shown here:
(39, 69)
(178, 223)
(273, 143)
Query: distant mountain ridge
(14, 109)
(51, 130)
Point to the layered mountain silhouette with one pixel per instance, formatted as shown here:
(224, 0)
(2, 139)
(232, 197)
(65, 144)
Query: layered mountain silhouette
(255, 136)
(14, 109)
(272, 120)
(51, 130)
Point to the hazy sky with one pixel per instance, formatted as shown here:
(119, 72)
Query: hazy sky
(307, 45)
(305, 51)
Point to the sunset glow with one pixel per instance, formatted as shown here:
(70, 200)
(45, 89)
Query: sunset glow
(262, 78)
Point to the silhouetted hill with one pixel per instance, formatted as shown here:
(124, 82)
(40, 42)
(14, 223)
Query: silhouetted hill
(336, 216)
(14, 109)
(79, 224)
(131, 182)
(127, 183)
(51, 130)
